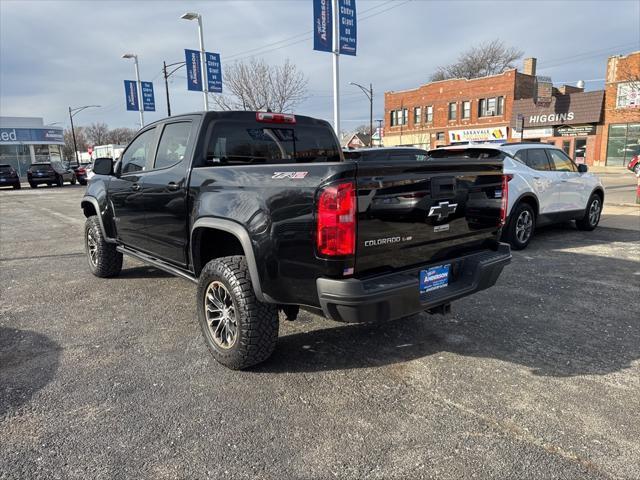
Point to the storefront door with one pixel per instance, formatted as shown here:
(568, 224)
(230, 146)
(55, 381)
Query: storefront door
(580, 150)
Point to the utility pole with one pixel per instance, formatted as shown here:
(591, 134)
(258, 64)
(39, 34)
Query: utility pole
(336, 65)
(166, 79)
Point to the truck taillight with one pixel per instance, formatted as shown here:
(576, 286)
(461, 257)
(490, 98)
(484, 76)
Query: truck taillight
(336, 220)
(269, 117)
(504, 199)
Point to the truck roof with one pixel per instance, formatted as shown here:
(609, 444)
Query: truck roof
(247, 116)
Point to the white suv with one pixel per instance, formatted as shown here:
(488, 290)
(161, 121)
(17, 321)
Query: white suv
(545, 186)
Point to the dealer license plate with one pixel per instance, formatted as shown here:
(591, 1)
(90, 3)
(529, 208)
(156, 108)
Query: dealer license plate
(434, 278)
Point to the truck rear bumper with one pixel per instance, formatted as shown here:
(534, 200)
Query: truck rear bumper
(397, 295)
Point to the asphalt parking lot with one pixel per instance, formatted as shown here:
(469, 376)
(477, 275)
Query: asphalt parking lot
(538, 377)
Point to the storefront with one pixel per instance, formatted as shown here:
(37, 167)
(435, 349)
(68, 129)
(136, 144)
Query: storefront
(570, 122)
(623, 143)
(26, 140)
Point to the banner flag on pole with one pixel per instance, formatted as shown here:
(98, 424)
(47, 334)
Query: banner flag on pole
(194, 75)
(131, 95)
(348, 27)
(214, 72)
(148, 99)
(322, 26)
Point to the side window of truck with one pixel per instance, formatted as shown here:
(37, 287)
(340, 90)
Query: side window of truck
(173, 144)
(138, 155)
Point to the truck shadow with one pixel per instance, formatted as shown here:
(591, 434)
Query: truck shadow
(28, 362)
(557, 313)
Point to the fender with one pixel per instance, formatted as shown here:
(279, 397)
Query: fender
(242, 235)
(527, 195)
(93, 201)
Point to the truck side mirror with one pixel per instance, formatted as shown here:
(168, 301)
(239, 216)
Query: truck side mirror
(582, 168)
(103, 166)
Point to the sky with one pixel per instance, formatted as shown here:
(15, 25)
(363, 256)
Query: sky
(56, 54)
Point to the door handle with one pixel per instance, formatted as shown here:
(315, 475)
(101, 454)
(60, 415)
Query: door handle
(537, 178)
(173, 186)
(135, 187)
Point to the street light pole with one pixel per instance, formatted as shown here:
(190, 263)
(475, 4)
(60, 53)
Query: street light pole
(138, 85)
(203, 65)
(369, 93)
(72, 113)
(166, 80)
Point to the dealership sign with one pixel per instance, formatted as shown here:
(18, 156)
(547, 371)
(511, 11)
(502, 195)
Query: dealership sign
(214, 72)
(31, 135)
(148, 100)
(131, 95)
(478, 134)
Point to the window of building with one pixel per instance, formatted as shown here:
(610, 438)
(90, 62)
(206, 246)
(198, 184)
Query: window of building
(566, 146)
(417, 115)
(440, 136)
(453, 111)
(466, 109)
(628, 95)
(623, 143)
(429, 114)
(489, 107)
(399, 117)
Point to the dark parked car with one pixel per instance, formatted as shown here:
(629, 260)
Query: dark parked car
(263, 213)
(387, 154)
(9, 177)
(54, 173)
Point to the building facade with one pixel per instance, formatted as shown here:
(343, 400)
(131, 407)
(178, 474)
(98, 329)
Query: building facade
(26, 140)
(621, 126)
(456, 110)
(571, 121)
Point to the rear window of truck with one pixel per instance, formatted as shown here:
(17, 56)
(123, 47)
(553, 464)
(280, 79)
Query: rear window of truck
(472, 153)
(240, 143)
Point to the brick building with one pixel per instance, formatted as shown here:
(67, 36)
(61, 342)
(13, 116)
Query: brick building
(571, 121)
(456, 110)
(621, 122)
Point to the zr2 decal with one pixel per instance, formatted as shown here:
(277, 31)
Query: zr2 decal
(291, 175)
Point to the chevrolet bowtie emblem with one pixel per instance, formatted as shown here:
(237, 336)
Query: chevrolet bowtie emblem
(442, 210)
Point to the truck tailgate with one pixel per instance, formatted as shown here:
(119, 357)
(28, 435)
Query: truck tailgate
(417, 213)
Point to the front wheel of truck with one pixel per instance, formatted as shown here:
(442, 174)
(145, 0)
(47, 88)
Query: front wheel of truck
(239, 330)
(104, 260)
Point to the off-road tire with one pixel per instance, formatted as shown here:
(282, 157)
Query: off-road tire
(587, 223)
(257, 322)
(516, 241)
(108, 260)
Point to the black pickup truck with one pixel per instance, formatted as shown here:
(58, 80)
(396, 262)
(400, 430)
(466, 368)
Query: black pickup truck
(263, 212)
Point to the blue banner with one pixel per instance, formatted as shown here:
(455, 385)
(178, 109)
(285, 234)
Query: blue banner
(214, 72)
(322, 26)
(148, 100)
(131, 95)
(19, 135)
(194, 70)
(348, 27)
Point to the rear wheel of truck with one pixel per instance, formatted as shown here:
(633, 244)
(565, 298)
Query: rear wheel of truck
(239, 330)
(104, 260)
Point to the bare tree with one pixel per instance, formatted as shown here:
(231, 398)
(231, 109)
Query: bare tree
(68, 151)
(255, 85)
(97, 133)
(120, 136)
(487, 58)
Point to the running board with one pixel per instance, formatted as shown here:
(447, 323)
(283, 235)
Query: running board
(157, 263)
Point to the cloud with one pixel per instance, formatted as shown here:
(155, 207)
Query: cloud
(54, 54)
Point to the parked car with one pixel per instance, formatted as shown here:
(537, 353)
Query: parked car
(545, 186)
(81, 172)
(261, 210)
(54, 173)
(386, 154)
(9, 177)
(634, 163)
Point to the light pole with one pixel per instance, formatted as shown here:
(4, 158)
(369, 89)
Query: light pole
(138, 84)
(203, 66)
(369, 94)
(335, 13)
(166, 79)
(72, 113)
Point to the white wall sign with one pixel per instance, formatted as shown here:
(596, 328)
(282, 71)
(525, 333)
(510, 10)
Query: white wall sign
(478, 134)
